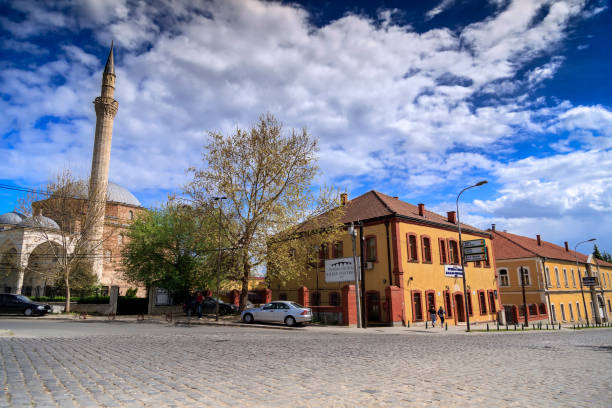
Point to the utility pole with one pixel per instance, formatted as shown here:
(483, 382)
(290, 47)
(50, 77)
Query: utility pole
(218, 259)
(353, 233)
(364, 318)
(524, 299)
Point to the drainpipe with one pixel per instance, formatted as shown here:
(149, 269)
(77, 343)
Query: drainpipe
(388, 252)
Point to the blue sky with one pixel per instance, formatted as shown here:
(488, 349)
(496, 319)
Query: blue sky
(415, 99)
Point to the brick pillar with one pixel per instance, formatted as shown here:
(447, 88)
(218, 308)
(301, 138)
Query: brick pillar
(266, 295)
(515, 310)
(303, 298)
(349, 306)
(235, 297)
(395, 305)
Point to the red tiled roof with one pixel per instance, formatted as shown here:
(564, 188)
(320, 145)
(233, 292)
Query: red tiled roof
(374, 204)
(512, 246)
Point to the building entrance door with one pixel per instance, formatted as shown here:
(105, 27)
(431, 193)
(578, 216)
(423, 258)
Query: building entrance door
(373, 306)
(459, 308)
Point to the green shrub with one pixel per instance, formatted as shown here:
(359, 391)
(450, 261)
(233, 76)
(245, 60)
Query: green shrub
(131, 292)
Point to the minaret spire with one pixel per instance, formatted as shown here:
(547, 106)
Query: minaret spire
(110, 62)
(106, 109)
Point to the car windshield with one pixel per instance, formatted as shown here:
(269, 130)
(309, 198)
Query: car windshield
(22, 298)
(297, 305)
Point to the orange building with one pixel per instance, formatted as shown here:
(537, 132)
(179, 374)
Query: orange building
(552, 277)
(408, 250)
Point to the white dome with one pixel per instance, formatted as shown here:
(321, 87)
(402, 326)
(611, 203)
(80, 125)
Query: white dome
(39, 221)
(116, 193)
(12, 218)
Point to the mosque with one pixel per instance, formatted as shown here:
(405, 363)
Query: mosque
(26, 243)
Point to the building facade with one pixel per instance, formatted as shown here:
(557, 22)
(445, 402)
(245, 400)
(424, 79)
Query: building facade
(550, 276)
(407, 250)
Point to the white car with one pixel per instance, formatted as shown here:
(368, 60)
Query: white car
(280, 311)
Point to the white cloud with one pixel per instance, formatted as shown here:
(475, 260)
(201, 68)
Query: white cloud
(392, 107)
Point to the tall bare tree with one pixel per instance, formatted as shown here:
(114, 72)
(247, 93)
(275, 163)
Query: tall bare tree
(266, 176)
(67, 251)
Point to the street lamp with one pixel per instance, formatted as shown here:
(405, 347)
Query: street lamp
(586, 311)
(467, 312)
(218, 258)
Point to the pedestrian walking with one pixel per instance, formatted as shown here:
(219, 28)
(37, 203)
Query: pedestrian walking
(432, 314)
(441, 314)
(199, 301)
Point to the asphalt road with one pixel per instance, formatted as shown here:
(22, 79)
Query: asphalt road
(86, 363)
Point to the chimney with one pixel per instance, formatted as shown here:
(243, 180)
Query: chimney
(539, 240)
(421, 209)
(343, 198)
(493, 227)
(452, 216)
(566, 247)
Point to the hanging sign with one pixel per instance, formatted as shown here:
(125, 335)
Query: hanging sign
(474, 243)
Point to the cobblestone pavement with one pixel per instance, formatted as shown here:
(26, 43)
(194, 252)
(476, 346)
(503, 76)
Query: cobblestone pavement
(127, 364)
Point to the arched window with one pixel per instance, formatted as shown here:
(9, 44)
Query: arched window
(565, 279)
(412, 248)
(557, 277)
(573, 278)
(120, 239)
(108, 255)
(131, 215)
(504, 278)
(453, 252)
(525, 276)
(426, 245)
(547, 277)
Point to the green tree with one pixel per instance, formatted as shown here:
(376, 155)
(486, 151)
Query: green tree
(596, 253)
(267, 177)
(171, 248)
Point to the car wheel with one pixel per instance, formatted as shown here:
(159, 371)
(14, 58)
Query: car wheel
(290, 321)
(27, 312)
(248, 318)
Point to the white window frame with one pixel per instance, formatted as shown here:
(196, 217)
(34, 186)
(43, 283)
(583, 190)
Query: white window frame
(558, 279)
(578, 314)
(520, 279)
(571, 311)
(565, 279)
(499, 273)
(562, 307)
(573, 278)
(548, 284)
(554, 312)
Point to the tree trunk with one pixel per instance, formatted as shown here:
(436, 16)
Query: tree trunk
(244, 294)
(67, 308)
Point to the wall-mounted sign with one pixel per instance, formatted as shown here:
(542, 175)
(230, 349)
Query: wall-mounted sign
(340, 270)
(590, 281)
(453, 271)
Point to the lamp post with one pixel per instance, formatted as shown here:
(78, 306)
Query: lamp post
(353, 233)
(218, 259)
(467, 312)
(586, 311)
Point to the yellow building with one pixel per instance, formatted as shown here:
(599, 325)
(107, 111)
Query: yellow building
(407, 252)
(552, 281)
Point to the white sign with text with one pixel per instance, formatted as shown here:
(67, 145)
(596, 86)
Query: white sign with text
(453, 271)
(340, 270)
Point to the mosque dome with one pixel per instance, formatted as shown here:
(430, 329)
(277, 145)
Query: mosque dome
(116, 193)
(39, 221)
(12, 218)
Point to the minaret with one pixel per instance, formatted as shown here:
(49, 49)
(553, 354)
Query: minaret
(106, 109)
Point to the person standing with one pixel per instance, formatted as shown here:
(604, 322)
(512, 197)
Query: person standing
(441, 314)
(199, 301)
(432, 315)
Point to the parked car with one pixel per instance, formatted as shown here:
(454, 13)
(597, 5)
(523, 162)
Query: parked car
(280, 311)
(19, 304)
(209, 305)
